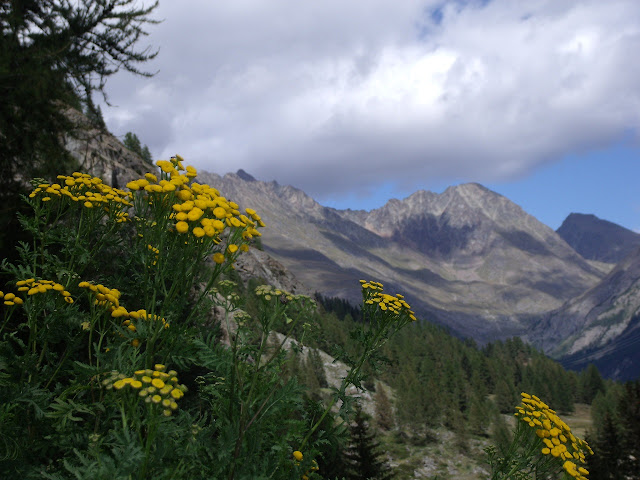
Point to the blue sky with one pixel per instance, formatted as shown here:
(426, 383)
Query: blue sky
(361, 101)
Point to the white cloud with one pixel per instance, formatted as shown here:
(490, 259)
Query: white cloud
(334, 95)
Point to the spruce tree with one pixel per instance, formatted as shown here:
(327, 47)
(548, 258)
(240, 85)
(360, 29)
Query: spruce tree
(364, 457)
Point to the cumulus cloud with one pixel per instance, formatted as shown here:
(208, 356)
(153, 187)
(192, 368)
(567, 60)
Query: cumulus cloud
(338, 96)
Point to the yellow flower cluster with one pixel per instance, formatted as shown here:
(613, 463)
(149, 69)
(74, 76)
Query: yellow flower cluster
(156, 386)
(198, 209)
(11, 299)
(110, 299)
(373, 293)
(91, 191)
(555, 434)
(269, 293)
(105, 297)
(33, 287)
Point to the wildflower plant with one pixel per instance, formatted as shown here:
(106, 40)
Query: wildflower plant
(543, 446)
(117, 285)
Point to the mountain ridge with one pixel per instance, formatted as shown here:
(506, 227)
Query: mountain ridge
(479, 275)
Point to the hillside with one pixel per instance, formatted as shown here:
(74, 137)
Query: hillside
(599, 326)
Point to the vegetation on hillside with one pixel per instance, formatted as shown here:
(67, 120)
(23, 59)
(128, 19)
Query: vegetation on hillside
(111, 364)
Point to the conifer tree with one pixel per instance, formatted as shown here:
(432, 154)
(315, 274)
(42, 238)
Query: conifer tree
(590, 383)
(605, 463)
(53, 52)
(629, 418)
(364, 458)
(146, 155)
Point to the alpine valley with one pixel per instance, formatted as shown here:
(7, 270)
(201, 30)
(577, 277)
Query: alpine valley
(468, 259)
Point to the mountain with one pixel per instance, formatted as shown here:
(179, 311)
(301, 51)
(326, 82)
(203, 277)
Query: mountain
(601, 326)
(468, 258)
(597, 239)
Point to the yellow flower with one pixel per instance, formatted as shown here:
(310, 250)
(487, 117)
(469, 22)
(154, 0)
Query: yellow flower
(191, 172)
(182, 227)
(218, 258)
(298, 455)
(220, 212)
(195, 214)
(156, 382)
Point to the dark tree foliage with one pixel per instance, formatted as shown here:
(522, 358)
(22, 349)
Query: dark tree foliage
(339, 306)
(606, 462)
(616, 436)
(55, 54)
(364, 458)
(332, 436)
(590, 383)
(132, 142)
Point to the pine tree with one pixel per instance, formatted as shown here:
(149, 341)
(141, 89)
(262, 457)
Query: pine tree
(363, 455)
(500, 432)
(132, 142)
(316, 365)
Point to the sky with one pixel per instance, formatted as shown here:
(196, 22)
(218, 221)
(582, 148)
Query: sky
(359, 101)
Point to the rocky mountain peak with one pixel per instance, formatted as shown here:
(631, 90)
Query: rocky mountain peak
(597, 239)
(245, 176)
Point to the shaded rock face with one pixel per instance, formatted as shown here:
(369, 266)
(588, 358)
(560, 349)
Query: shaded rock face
(102, 155)
(600, 326)
(597, 239)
